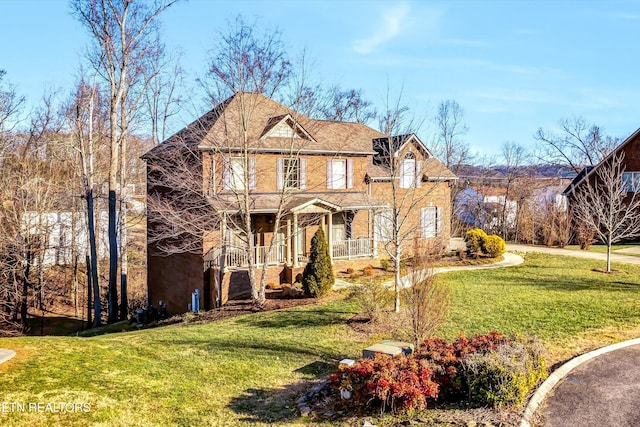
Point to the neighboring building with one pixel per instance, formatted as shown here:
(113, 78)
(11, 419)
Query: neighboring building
(483, 207)
(630, 149)
(60, 233)
(308, 174)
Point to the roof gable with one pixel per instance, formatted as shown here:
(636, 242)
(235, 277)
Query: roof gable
(590, 170)
(285, 126)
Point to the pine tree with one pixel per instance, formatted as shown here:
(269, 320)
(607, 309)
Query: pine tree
(318, 278)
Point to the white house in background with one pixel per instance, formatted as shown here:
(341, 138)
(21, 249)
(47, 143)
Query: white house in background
(61, 231)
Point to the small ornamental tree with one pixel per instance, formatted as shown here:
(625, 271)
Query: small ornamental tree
(318, 278)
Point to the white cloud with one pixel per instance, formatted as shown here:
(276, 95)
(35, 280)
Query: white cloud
(388, 29)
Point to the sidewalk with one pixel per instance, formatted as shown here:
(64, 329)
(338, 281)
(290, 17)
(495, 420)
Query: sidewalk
(6, 354)
(628, 259)
(509, 260)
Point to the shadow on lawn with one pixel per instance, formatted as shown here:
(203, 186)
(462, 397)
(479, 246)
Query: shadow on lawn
(268, 405)
(279, 404)
(306, 318)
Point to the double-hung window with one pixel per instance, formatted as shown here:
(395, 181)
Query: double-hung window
(383, 225)
(339, 173)
(235, 177)
(291, 173)
(410, 171)
(431, 221)
(631, 182)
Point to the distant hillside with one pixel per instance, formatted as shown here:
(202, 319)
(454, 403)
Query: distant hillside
(498, 171)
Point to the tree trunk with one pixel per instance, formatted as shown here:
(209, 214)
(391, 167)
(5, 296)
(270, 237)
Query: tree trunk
(112, 291)
(124, 258)
(397, 278)
(97, 305)
(89, 285)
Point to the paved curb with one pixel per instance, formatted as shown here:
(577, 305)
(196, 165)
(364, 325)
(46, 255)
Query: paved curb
(6, 355)
(562, 372)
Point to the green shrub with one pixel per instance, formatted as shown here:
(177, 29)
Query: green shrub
(506, 375)
(317, 277)
(475, 239)
(494, 246)
(385, 264)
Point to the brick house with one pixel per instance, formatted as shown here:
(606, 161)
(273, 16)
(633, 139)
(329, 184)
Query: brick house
(630, 166)
(294, 174)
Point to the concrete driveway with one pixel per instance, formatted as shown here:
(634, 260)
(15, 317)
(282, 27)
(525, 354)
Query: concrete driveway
(604, 391)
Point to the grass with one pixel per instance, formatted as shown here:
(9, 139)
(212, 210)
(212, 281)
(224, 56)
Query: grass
(248, 370)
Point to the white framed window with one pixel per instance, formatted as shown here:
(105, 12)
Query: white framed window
(339, 173)
(233, 174)
(383, 225)
(431, 221)
(291, 173)
(410, 171)
(631, 182)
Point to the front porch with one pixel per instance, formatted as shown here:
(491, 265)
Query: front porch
(340, 250)
(349, 234)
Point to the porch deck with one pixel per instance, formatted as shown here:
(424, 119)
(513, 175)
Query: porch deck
(238, 257)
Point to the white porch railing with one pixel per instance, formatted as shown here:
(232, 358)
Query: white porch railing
(353, 248)
(343, 249)
(237, 257)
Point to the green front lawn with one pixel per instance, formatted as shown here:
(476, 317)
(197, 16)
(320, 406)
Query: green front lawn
(247, 370)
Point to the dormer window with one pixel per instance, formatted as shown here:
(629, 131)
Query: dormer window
(410, 171)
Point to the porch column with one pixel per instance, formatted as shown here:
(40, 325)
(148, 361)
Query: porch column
(288, 242)
(223, 242)
(296, 264)
(372, 232)
(330, 235)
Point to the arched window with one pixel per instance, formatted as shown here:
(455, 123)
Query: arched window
(408, 170)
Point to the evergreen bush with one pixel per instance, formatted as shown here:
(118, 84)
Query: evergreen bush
(494, 246)
(317, 277)
(475, 239)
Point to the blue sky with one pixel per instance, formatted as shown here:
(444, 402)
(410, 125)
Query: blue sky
(513, 66)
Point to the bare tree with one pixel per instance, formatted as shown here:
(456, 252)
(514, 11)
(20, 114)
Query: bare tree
(449, 145)
(426, 300)
(84, 114)
(608, 203)
(123, 36)
(514, 156)
(346, 106)
(402, 221)
(30, 183)
(577, 145)
(162, 98)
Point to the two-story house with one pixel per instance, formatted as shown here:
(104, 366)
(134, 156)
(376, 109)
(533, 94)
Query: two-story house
(289, 174)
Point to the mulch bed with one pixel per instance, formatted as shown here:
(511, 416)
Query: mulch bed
(240, 307)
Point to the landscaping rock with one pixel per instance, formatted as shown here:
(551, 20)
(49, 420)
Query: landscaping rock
(305, 411)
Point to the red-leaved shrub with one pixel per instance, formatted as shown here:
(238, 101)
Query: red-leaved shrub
(446, 358)
(399, 384)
